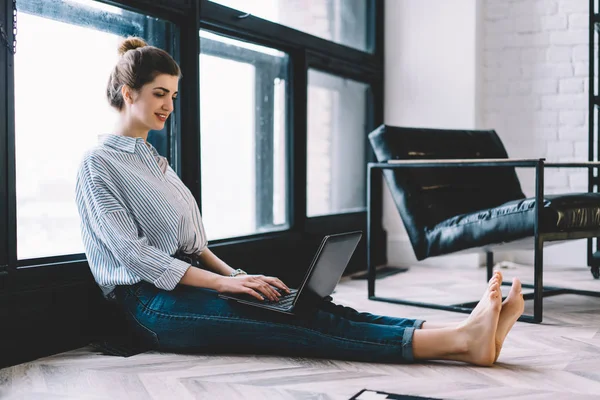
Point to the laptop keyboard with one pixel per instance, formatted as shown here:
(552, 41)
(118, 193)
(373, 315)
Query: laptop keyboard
(285, 301)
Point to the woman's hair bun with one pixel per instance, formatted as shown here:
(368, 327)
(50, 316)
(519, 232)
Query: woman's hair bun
(131, 43)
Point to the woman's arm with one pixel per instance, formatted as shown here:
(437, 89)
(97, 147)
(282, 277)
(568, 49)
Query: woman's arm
(258, 286)
(201, 278)
(214, 263)
(254, 285)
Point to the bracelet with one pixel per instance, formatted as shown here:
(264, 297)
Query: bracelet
(237, 272)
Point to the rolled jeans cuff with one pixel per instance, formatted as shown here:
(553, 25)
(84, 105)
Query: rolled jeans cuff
(407, 345)
(407, 340)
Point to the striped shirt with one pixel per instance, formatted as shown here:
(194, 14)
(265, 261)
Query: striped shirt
(135, 213)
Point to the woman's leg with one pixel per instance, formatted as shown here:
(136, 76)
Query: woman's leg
(474, 340)
(364, 317)
(192, 320)
(196, 320)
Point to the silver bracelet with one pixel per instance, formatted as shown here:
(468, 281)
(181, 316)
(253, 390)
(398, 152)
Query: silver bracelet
(237, 272)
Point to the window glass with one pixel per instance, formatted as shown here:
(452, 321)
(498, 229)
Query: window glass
(337, 130)
(243, 137)
(65, 52)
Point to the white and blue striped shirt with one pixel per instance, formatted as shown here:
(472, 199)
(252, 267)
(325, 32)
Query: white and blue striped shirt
(135, 214)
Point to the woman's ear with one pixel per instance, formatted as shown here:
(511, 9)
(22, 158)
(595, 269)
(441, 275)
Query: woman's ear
(127, 94)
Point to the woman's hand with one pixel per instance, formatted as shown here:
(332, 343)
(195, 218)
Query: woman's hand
(254, 285)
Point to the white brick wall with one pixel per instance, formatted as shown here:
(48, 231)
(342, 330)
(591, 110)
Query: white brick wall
(531, 71)
(534, 86)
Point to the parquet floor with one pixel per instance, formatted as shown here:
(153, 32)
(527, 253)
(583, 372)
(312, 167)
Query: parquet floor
(558, 359)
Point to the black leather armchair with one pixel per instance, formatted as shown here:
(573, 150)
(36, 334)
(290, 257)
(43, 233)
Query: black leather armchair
(457, 191)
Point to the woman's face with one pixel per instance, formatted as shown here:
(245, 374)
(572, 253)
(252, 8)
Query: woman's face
(153, 103)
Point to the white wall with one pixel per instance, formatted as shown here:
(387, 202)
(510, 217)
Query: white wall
(517, 66)
(535, 78)
(431, 81)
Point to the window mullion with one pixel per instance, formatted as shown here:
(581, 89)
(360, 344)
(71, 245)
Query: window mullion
(9, 233)
(298, 134)
(263, 139)
(189, 89)
(5, 5)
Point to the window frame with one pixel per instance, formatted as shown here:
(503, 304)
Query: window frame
(6, 149)
(189, 17)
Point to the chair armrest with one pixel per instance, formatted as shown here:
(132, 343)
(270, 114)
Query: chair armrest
(586, 164)
(475, 162)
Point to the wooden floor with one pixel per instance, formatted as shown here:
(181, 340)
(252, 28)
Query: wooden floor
(558, 359)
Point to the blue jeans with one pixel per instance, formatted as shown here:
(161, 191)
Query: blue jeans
(195, 320)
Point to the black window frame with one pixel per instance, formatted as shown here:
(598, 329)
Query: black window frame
(190, 16)
(6, 146)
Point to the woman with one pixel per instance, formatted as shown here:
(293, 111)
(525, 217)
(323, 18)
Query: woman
(142, 230)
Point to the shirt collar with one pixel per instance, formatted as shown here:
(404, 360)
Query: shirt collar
(120, 142)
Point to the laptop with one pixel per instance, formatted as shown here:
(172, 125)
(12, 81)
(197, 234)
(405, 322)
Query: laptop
(320, 280)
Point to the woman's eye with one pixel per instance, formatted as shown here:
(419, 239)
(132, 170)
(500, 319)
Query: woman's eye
(158, 94)
(174, 98)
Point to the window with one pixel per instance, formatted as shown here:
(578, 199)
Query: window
(243, 137)
(66, 50)
(337, 132)
(341, 21)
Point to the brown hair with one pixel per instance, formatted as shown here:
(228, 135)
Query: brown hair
(138, 64)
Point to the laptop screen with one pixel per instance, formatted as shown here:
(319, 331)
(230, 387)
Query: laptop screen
(332, 261)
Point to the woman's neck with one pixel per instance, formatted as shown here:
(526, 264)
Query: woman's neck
(127, 127)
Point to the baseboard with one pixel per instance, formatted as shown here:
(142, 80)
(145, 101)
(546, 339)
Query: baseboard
(400, 253)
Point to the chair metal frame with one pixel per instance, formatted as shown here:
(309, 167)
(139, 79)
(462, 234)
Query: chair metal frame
(374, 172)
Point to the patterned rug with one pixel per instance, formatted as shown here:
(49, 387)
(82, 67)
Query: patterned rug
(366, 394)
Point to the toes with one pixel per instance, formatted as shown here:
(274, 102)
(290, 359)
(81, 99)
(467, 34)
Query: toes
(497, 277)
(516, 283)
(516, 286)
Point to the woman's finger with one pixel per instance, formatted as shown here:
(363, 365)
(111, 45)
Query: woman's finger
(253, 293)
(271, 290)
(277, 283)
(271, 287)
(264, 289)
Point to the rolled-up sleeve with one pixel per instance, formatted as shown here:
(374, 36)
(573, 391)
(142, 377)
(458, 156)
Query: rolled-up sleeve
(120, 235)
(114, 225)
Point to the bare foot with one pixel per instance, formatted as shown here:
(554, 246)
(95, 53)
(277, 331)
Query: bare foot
(479, 329)
(512, 308)
(481, 306)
